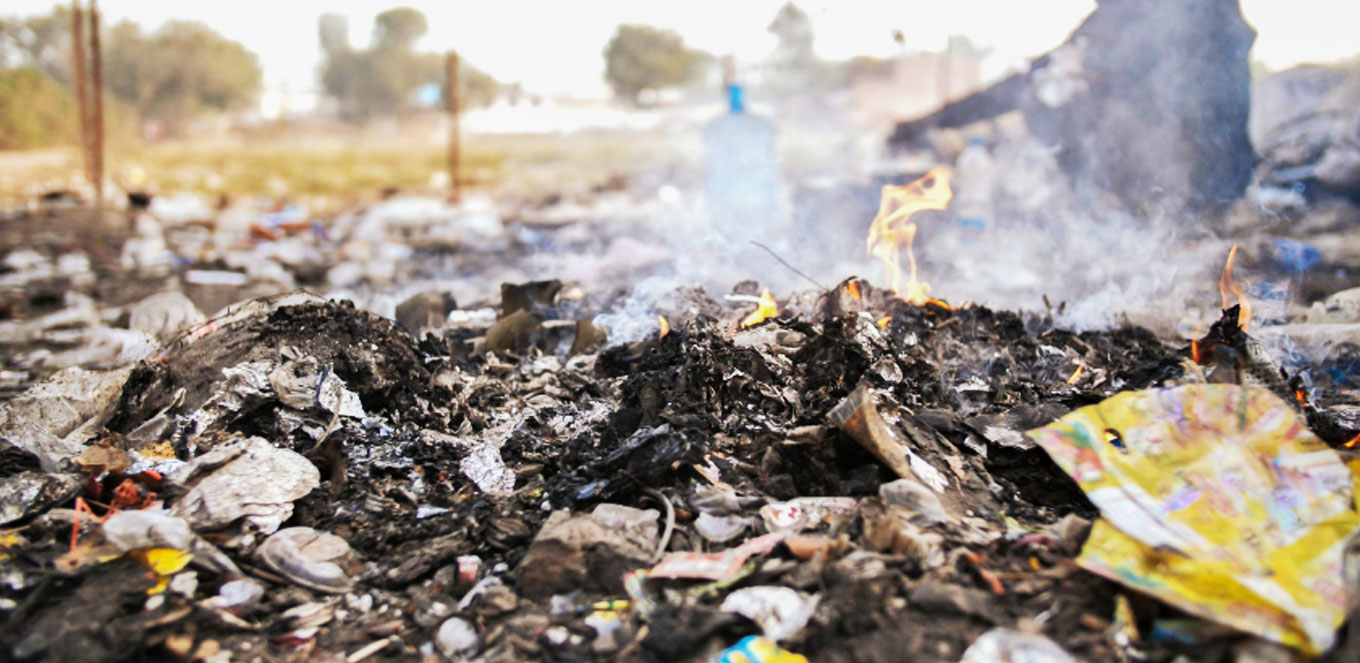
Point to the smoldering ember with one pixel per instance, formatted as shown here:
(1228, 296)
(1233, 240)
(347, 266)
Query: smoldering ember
(1069, 375)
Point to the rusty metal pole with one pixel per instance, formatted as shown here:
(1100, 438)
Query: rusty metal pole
(97, 120)
(79, 83)
(451, 80)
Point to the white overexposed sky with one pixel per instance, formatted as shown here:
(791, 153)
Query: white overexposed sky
(555, 45)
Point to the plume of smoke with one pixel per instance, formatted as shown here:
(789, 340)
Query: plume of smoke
(635, 319)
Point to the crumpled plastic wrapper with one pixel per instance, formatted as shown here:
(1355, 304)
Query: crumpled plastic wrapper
(1004, 645)
(1216, 499)
(303, 383)
(147, 528)
(54, 418)
(781, 612)
(309, 558)
(243, 384)
(251, 479)
(484, 466)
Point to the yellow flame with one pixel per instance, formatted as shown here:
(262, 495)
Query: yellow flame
(893, 230)
(767, 309)
(853, 288)
(163, 563)
(1076, 375)
(1227, 285)
(883, 321)
(665, 326)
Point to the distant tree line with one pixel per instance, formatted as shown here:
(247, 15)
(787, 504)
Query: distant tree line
(182, 69)
(169, 75)
(387, 77)
(642, 58)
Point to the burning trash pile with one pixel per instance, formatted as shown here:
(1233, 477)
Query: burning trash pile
(847, 474)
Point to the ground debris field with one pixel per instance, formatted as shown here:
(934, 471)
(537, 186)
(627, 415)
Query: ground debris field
(843, 472)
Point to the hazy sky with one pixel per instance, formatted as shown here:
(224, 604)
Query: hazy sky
(555, 45)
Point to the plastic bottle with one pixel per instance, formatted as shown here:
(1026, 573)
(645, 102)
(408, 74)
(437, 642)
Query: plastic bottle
(741, 183)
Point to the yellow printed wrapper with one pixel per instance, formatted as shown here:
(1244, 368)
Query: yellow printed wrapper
(1218, 500)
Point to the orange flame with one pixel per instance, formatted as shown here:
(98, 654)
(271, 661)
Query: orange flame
(766, 309)
(1226, 285)
(893, 230)
(665, 326)
(1076, 375)
(1352, 442)
(1194, 351)
(853, 288)
(883, 321)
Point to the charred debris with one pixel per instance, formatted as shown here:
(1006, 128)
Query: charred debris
(299, 479)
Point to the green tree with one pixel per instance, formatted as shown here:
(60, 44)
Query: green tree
(35, 110)
(792, 28)
(178, 71)
(795, 69)
(384, 78)
(641, 57)
(170, 75)
(42, 42)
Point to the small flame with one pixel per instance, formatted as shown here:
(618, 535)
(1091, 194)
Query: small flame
(853, 288)
(766, 309)
(665, 326)
(1352, 442)
(883, 321)
(1226, 285)
(1301, 397)
(1076, 375)
(893, 230)
(1194, 351)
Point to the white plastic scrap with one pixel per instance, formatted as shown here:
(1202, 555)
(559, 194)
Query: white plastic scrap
(147, 528)
(483, 465)
(457, 639)
(1003, 645)
(251, 479)
(244, 383)
(164, 315)
(336, 398)
(780, 611)
(307, 557)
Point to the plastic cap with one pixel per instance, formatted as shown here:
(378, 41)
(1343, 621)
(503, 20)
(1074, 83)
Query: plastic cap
(735, 99)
